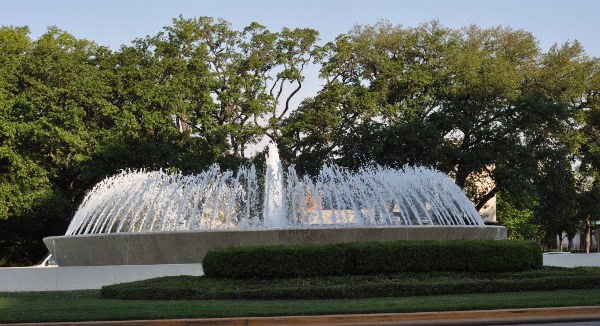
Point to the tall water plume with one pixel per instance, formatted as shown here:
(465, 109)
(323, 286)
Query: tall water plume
(274, 209)
(140, 201)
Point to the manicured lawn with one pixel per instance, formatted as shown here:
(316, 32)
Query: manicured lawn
(89, 306)
(355, 286)
(212, 297)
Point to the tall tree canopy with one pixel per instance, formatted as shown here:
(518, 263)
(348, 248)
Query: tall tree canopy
(478, 104)
(472, 102)
(54, 100)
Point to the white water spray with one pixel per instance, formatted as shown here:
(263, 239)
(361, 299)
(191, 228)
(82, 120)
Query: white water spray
(139, 201)
(274, 211)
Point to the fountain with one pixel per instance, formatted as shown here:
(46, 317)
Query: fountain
(139, 217)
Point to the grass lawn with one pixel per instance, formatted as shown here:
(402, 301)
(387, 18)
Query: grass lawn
(89, 306)
(355, 286)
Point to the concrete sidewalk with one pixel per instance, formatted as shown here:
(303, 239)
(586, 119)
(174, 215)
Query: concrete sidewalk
(19, 279)
(571, 260)
(475, 317)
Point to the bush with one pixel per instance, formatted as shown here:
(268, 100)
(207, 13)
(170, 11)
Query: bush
(355, 286)
(373, 258)
(275, 261)
(430, 256)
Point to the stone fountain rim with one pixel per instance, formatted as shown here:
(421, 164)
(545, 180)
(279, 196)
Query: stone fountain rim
(190, 246)
(259, 229)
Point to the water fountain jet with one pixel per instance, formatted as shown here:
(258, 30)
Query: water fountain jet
(139, 217)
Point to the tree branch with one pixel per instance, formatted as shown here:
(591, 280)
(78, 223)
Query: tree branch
(486, 197)
(287, 101)
(273, 87)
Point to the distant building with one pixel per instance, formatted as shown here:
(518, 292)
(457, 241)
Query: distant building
(478, 183)
(488, 211)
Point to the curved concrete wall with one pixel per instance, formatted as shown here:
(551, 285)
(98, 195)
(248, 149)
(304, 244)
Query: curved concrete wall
(187, 247)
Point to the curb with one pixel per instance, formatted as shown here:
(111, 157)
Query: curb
(474, 317)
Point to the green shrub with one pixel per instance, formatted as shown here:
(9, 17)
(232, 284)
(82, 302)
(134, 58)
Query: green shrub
(373, 258)
(429, 256)
(354, 286)
(275, 261)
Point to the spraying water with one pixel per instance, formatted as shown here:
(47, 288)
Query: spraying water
(139, 201)
(274, 209)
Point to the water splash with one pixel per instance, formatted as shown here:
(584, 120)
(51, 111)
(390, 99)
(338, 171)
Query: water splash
(274, 209)
(140, 201)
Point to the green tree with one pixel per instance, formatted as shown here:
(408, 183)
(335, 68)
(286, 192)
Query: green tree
(472, 102)
(556, 211)
(53, 101)
(160, 86)
(224, 88)
(517, 219)
(295, 50)
(588, 205)
(586, 136)
(18, 192)
(479, 104)
(379, 78)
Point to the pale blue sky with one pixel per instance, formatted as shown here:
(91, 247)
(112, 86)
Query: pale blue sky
(116, 22)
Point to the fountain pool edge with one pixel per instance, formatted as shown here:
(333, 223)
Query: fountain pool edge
(190, 247)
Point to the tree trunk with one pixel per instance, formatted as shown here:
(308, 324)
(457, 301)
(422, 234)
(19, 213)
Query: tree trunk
(184, 125)
(461, 176)
(235, 144)
(569, 244)
(588, 235)
(560, 241)
(486, 198)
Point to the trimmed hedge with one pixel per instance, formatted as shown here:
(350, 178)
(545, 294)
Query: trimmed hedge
(275, 261)
(373, 258)
(396, 285)
(441, 256)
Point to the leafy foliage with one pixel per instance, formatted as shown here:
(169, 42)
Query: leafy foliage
(518, 221)
(269, 262)
(275, 261)
(480, 104)
(354, 286)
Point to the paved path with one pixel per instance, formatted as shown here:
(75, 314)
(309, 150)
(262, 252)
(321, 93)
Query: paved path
(476, 317)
